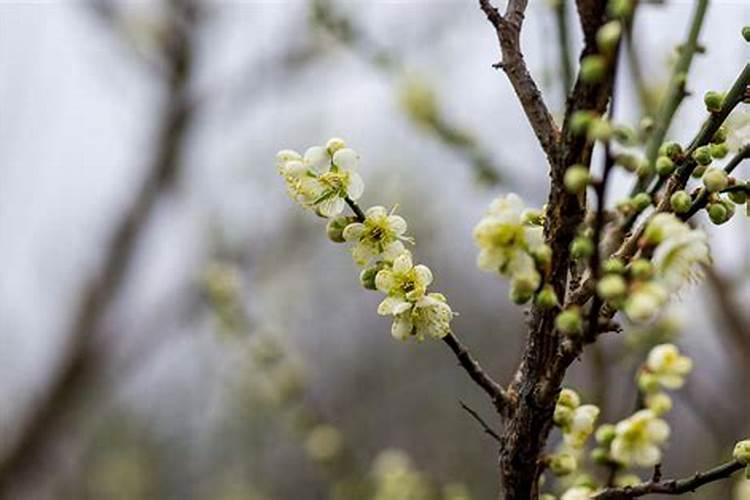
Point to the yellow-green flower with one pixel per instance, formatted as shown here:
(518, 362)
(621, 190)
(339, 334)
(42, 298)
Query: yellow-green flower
(581, 426)
(667, 366)
(380, 235)
(429, 316)
(403, 281)
(638, 439)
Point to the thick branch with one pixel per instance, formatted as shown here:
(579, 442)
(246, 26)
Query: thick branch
(671, 486)
(508, 29)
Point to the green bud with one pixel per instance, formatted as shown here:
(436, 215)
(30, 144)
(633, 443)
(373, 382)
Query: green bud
(681, 202)
(611, 287)
(599, 130)
(646, 125)
(569, 398)
(608, 36)
(741, 452)
(738, 197)
(664, 166)
(613, 265)
(659, 403)
(563, 464)
(624, 135)
(605, 434)
(620, 8)
(569, 321)
(746, 33)
(713, 101)
(580, 121)
(648, 382)
(671, 149)
(532, 217)
(715, 179)
(718, 213)
(593, 68)
(699, 171)
(641, 269)
(645, 169)
(641, 201)
(702, 155)
(576, 178)
(521, 290)
(563, 416)
(581, 248)
(720, 135)
(719, 151)
(600, 456)
(628, 162)
(367, 276)
(542, 255)
(335, 228)
(546, 298)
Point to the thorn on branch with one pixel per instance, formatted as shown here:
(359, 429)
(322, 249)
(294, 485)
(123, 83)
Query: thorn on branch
(487, 429)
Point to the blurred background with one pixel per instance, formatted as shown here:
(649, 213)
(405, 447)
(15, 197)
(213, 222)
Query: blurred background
(172, 326)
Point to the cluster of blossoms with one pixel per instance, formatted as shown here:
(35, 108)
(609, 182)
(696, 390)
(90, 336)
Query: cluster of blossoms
(665, 368)
(511, 243)
(324, 180)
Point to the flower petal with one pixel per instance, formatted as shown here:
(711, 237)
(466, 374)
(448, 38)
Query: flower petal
(356, 186)
(346, 159)
(353, 231)
(397, 224)
(317, 158)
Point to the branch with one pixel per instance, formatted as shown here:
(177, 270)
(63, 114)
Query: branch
(502, 401)
(79, 359)
(671, 486)
(508, 29)
(675, 91)
(563, 45)
(487, 429)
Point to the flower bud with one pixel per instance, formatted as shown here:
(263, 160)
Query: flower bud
(542, 255)
(715, 179)
(605, 434)
(713, 101)
(576, 178)
(335, 228)
(741, 452)
(367, 276)
(624, 135)
(648, 382)
(659, 403)
(563, 416)
(580, 122)
(699, 171)
(569, 321)
(600, 456)
(644, 169)
(625, 480)
(719, 151)
(611, 287)
(672, 150)
(593, 68)
(664, 166)
(613, 265)
(702, 155)
(334, 144)
(738, 197)
(746, 33)
(628, 162)
(522, 289)
(546, 298)
(563, 464)
(581, 248)
(720, 135)
(718, 213)
(620, 8)
(569, 398)
(641, 201)
(681, 202)
(641, 269)
(599, 130)
(532, 217)
(608, 36)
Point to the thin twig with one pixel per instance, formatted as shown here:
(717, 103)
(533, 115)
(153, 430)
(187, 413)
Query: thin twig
(508, 29)
(487, 429)
(670, 486)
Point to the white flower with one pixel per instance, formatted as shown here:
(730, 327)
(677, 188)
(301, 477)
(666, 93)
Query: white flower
(645, 302)
(638, 438)
(738, 124)
(577, 493)
(502, 236)
(430, 316)
(403, 281)
(581, 426)
(677, 258)
(668, 366)
(320, 181)
(380, 235)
